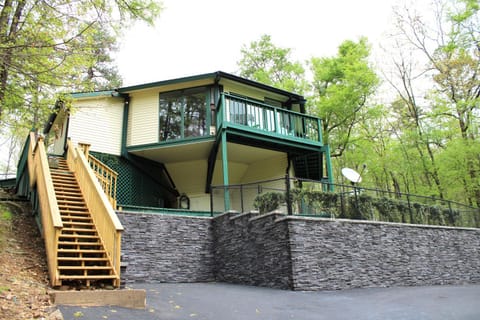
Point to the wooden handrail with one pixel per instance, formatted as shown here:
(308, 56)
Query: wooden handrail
(39, 174)
(107, 178)
(105, 175)
(104, 217)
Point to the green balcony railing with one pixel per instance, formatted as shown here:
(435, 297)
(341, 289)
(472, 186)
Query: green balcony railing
(261, 117)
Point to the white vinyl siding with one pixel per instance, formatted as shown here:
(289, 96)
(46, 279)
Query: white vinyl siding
(99, 123)
(143, 119)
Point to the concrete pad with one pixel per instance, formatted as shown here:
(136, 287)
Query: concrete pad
(128, 298)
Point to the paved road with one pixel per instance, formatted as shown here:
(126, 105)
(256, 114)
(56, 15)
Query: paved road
(218, 301)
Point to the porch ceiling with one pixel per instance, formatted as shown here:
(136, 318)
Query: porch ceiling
(200, 151)
(177, 152)
(246, 154)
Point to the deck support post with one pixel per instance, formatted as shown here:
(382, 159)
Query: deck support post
(226, 191)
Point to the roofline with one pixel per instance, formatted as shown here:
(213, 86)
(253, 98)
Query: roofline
(214, 75)
(94, 94)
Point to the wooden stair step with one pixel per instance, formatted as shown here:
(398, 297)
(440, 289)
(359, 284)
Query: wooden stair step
(79, 243)
(75, 217)
(79, 259)
(73, 200)
(67, 193)
(62, 250)
(89, 277)
(66, 207)
(60, 186)
(68, 210)
(78, 236)
(78, 223)
(65, 178)
(78, 230)
(85, 268)
(63, 175)
(61, 170)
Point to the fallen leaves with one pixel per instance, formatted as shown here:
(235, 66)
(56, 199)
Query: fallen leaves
(23, 275)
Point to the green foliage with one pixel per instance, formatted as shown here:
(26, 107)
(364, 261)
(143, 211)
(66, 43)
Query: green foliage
(365, 207)
(264, 62)
(268, 201)
(52, 46)
(342, 86)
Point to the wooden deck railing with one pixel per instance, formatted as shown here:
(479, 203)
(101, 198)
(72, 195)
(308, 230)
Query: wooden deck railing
(253, 115)
(39, 174)
(106, 221)
(105, 175)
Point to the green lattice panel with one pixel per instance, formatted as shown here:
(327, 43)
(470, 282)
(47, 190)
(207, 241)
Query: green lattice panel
(134, 187)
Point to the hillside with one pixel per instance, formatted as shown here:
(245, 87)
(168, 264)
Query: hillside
(23, 271)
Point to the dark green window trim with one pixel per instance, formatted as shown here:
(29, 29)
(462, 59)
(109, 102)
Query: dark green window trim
(178, 106)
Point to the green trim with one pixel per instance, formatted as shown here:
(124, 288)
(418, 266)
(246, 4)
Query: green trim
(264, 136)
(23, 161)
(326, 150)
(215, 76)
(126, 108)
(226, 191)
(94, 94)
(165, 144)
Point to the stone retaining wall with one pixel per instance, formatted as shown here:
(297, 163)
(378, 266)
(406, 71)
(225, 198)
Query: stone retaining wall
(166, 248)
(252, 250)
(338, 254)
(296, 253)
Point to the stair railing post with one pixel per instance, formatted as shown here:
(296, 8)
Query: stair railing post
(85, 148)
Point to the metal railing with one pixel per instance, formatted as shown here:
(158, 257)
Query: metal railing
(312, 198)
(267, 119)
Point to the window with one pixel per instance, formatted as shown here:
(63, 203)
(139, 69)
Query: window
(183, 114)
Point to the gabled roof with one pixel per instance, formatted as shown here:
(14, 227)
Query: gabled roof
(215, 76)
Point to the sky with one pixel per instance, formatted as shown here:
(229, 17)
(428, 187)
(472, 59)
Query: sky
(201, 36)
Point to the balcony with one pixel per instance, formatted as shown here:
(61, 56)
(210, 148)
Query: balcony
(255, 117)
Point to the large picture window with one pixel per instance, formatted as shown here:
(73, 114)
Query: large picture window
(183, 114)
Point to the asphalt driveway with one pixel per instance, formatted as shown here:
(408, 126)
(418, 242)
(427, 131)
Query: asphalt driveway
(219, 301)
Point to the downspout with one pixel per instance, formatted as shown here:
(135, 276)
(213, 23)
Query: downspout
(287, 186)
(126, 107)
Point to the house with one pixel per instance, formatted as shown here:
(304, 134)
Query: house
(187, 145)
(112, 160)
(170, 141)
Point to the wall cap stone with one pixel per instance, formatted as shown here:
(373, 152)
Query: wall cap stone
(274, 213)
(134, 213)
(393, 224)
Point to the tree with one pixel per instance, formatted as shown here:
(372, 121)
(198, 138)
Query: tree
(342, 86)
(53, 46)
(264, 62)
(448, 86)
(47, 46)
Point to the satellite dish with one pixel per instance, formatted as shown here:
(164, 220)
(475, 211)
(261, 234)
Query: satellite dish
(351, 175)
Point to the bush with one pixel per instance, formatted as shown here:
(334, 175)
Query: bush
(269, 201)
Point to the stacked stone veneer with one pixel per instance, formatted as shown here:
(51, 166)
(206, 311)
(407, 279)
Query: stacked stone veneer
(297, 253)
(337, 254)
(252, 249)
(166, 248)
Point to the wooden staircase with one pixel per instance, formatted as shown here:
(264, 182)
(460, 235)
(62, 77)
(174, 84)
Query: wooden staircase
(81, 256)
